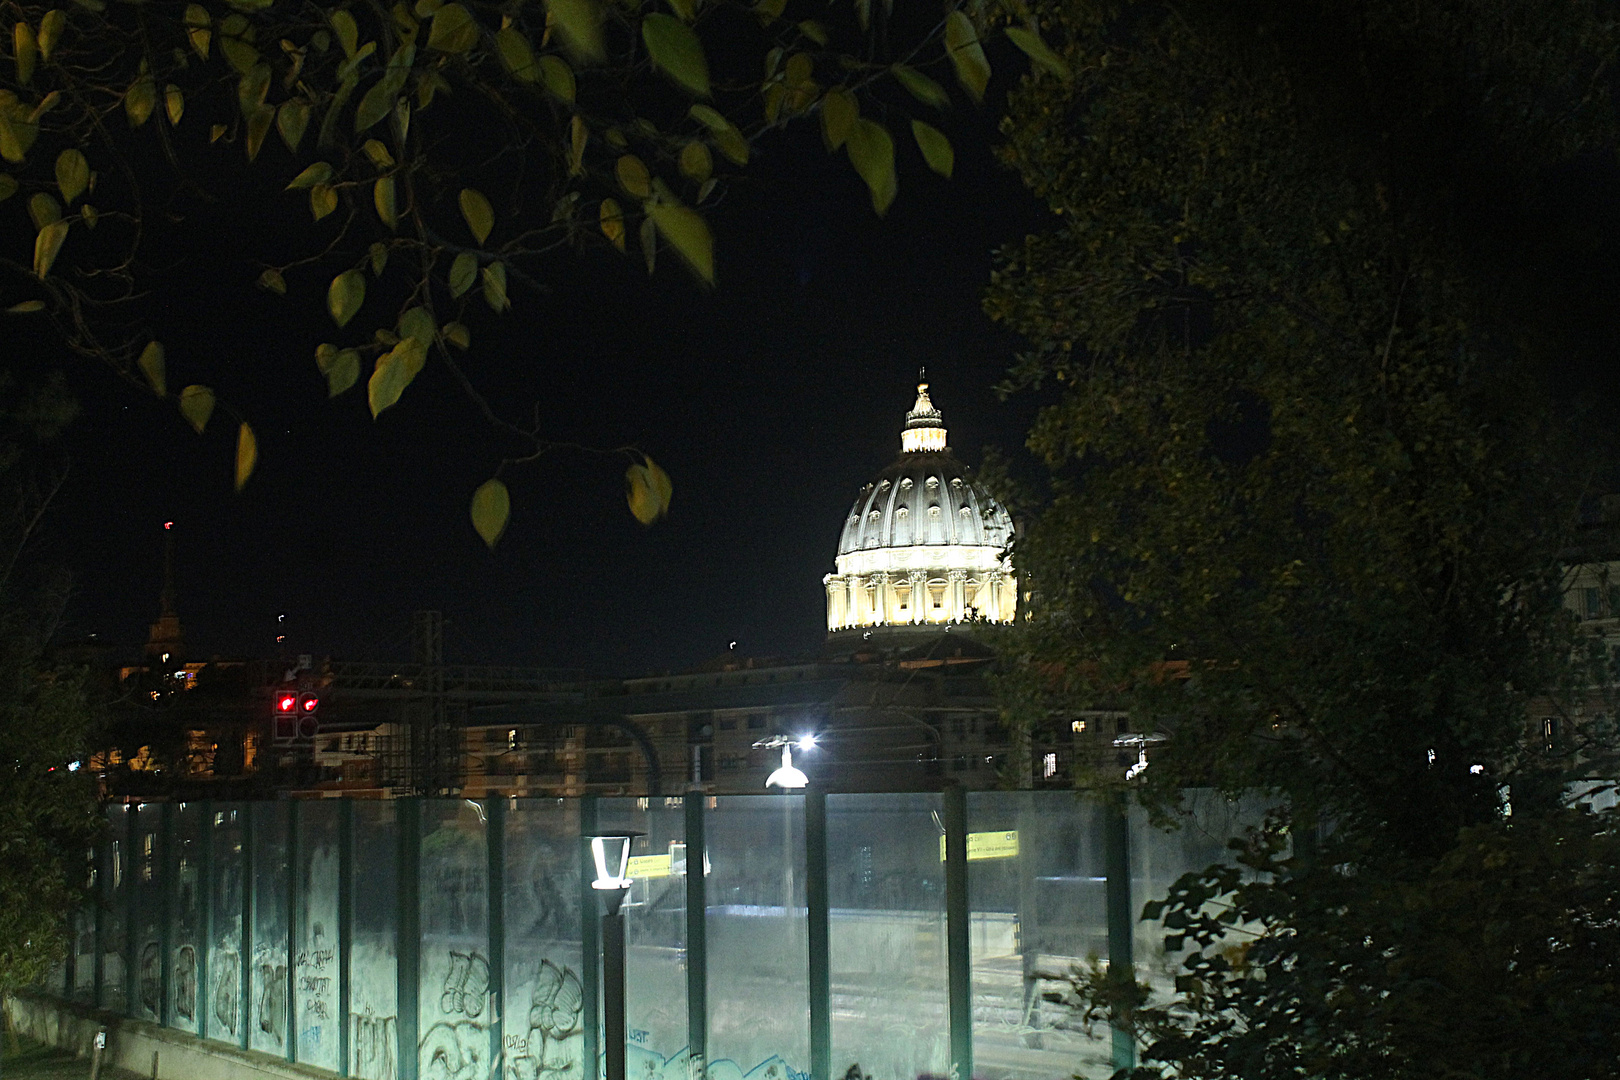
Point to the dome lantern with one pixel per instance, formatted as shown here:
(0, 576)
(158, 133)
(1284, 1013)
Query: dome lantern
(925, 428)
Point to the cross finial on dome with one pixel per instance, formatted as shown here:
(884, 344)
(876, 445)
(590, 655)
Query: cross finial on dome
(925, 428)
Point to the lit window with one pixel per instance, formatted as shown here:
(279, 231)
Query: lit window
(1079, 727)
(511, 739)
(1048, 766)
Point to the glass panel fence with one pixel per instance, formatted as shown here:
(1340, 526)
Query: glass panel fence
(146, 853)
(226, 897)
(268, 1005)
(453, 1015)
(114, 910)
(315, 953)
(187, 899)
(544, 1037)
(373, 962)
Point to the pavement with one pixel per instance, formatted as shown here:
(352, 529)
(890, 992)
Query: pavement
(25, 1059)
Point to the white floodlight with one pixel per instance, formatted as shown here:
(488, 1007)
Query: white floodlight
(787, 777)
(611, 850)
(807, 741)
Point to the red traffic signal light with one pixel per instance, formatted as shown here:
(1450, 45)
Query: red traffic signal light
(308, 703)
(286, 703)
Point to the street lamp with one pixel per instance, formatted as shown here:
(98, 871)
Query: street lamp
(611, 853)
(788, 777)
(1141, 742)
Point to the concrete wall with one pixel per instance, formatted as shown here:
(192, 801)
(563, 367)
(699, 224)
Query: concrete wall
(145, 1049)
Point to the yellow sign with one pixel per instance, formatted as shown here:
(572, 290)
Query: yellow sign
(987, 845)
(648, 866)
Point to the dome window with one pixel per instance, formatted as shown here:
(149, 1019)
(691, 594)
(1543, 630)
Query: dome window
(875, 514)
(933, 511)
(905, 485)
(956, 481)
(902, 513)
(933, 483)
(966, 511)
(883, 486)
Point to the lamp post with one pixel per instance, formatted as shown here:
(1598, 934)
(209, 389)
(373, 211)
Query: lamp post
(611, 852)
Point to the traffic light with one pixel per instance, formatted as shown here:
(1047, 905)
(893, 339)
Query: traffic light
(309, 720)
(285, 720)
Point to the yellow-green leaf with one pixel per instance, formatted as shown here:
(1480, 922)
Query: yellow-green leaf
(382, 196)
(494, 276)
(72, 174)
(27, 307)
(688, 234)
(768, 11)
(197, 405)
(26, 51)
(921, 87)
(580, 23)
(318, 173)
(323, 200)
(1038, 51)
(50, 31)
(686, 9)
(454, 30)
(649, 242)
(174, 104)
(139, 100)
(292, 119)
(967, 55)
(697, 164)
(258, 126)
(611, 217)
(491, 506)
(347, 31)
(558, 77)
(378, 253)
(43, 210)
(345, 295)
(633, 176)
(8, 186)
(272, 281)
(417, 323)
(154, 366)
(676, 49)
(839, 111)
(463, 272)
(476, 211)
(197, 32)
(88, 215)
(648, 491)
(215, 133)
(577, 134)
(15, 138)
(871, 151)
(935, 147)
(814, 31)
(340, 367)
(377, 154)
(727, 139)
(516, 54)
(47, 244)
(395, 371)
(247, 455)
(377, 103)
(457, 334)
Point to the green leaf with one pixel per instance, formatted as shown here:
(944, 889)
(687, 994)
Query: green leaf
(839, 111)
(348, 33)
(516, 55)
(727, 139)
(174, 104)
(382, 197)
(491, 506)
(323, 200)
(921, 87)
(72, 174)
(27, 307)
(417, 323)
(648, 491)
(377, 154)
(454, 30)
(47, 244)
(697, 164)
(247, 455)
(935, 147)
(688, 234)
(139, 100)
(967, 55)
(272, 281)
(16, 136)
(43, 209)
(675, 47)
(8, 186)
(814, 31)
(476, 211)
(378, 253)
(258, 126)
(649, 242)
(155, 368)
(457, 334)
(1038, 51)
(340, 367)
(88, 215)
(395, 371)
(379, 100)
(463, 272)
(686, 9)
(318, 173)
(580, 23)
(51, 26)
(871, 151)
(611, 218)
(26, 50)
(345, 295)
(197, 23)
(494, 276)
(558, 77)
(633, 176)
(292, 119)
(197, 405)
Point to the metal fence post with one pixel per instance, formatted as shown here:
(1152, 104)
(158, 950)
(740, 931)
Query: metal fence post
(1121, 962)
(170, 856)
(295, 878)
(245, 1012)
(697, 940)
(815, 895)
(495, 853)
(958, 959)
(104, 876)
(205, 930)
(408, 971)
(345, 914)
(132, 912)
(590, 936)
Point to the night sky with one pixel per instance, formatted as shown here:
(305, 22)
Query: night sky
(769, 400)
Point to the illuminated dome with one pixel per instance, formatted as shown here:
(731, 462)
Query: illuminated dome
(922, 546)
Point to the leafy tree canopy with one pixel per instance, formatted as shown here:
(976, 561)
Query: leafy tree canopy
(446, 153)
(1311, 508)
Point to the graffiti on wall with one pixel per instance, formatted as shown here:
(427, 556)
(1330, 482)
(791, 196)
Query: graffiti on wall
(314, 968)
(225, 993)
(272, 1003)
(457, 1048)
(150, 977)
(466, 985)
(373, 1046)
(185, 982)
(552, 1046)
